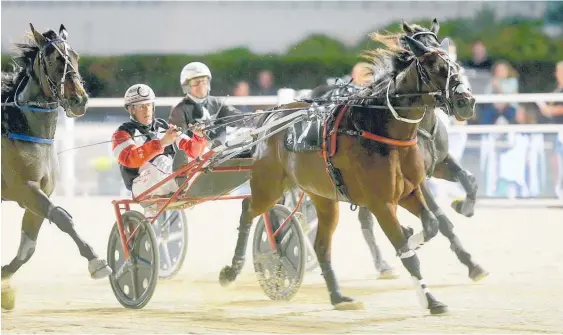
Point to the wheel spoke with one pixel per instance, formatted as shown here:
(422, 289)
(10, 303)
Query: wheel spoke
(143, 263)
(123, 269)
(175, 237)
(166, 254)
(134, 287)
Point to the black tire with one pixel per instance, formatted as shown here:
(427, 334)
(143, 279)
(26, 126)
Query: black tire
(173, 223)
(144, 250)
(280, 276)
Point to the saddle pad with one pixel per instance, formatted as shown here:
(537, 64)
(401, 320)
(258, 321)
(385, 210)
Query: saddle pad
(304, 136)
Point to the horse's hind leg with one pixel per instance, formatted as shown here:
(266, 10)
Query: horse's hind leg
(38, 202)
(31, 224)
(266, 185)
(327, 213)
(366, 220)
(476, 272)
(450, 170)
(386, 215)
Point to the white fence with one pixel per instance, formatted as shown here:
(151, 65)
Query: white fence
(66, 139)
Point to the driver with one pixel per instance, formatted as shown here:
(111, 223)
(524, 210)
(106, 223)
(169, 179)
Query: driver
(198, 106)
(145, 146)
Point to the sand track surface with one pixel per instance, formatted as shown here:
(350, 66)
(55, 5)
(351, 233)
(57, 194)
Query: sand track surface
(520, 247)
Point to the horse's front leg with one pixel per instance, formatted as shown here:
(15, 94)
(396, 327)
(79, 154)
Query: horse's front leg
(34, 199)
(476, 272)
(450, 170)
(386, 214)
(366, 220)
(31, 224)
(416, 204)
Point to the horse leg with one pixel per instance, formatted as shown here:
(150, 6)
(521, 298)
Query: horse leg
(229, 273)
(387, 218)
(476, 272)
(450, 170)
(39, 203)
(385, 270)
(327, 213)
(415, 204)
(266, 192)
(31, 224)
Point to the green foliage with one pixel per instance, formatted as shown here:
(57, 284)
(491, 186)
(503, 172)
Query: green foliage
(310, 61)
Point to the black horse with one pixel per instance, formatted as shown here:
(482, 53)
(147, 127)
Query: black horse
(46, 78)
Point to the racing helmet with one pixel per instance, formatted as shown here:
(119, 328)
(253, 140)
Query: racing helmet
(139, 94)
(194, 70)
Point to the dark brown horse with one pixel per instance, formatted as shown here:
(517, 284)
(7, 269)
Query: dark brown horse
(47, 78)
(370, 158)
(433, 144)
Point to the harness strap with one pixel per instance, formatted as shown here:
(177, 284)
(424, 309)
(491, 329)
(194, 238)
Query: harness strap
(329, 149)
(28, 138)
(390, 141)
(431, 137)
(24, 137)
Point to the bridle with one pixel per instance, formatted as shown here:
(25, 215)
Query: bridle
(56, 89)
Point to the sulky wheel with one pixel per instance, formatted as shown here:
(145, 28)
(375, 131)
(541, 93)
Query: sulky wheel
(280, 273)
(307, 216)
(133, 281)
(171, 230)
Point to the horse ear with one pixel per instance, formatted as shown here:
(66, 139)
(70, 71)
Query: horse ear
(63, 33)
(406, 28)
(39, 38)
(445, 45)
(435, 28)
(416, 47)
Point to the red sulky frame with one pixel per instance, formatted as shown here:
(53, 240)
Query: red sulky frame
(190, 170)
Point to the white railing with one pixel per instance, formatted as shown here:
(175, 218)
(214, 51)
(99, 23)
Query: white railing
(67, 137)
(285, 95)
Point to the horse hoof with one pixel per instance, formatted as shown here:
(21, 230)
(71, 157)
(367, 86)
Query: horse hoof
(8, 296)
(416, 241)
(352, 305)
(477, 273)
(226, 276)
(99, 268)
(438, 308)
(460, 206)
(388, 274)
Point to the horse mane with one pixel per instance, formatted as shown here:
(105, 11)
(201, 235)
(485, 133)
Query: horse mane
(386, 62)
(22, 62)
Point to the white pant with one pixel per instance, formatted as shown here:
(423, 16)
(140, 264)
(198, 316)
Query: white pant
(151, 174)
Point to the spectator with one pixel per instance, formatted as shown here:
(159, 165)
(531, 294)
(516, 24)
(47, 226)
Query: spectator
(362, 74)
(480, 60)
(522, 168)
(554, 111)
(265, 83)
(242, 90)
(504, 81)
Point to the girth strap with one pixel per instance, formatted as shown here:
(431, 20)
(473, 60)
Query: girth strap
(330, 133)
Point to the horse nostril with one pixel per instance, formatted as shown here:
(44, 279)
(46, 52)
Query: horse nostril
(462, 103)
(75, 100)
